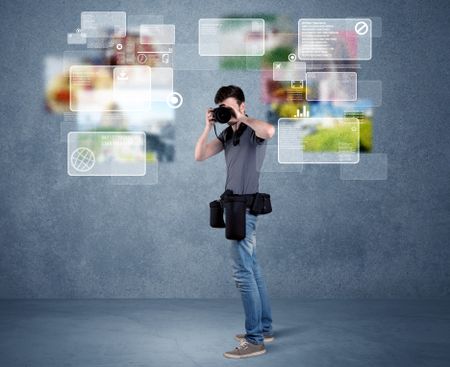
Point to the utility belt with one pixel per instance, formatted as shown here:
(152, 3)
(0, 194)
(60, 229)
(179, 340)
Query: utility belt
(235, 207)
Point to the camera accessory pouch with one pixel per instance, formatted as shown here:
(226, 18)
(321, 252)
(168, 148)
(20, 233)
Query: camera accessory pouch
(261, 204)
(235, 208)
(216, 214)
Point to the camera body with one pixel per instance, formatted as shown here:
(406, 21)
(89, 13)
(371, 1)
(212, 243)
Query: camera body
(223, 114)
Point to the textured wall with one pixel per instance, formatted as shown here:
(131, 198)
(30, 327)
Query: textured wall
(64, 236)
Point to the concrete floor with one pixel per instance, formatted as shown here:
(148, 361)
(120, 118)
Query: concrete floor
(160, 333)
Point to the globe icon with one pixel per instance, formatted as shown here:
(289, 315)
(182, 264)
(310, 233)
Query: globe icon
(82, 159)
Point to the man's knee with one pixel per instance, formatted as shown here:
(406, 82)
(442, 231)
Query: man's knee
(243, 277)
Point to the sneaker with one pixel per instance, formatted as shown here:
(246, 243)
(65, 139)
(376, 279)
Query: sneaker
(267, 338)
(245, 350)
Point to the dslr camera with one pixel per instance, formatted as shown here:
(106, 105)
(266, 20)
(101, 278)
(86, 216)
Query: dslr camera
(223, 114)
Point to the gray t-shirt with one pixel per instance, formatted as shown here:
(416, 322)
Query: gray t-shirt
(244, 160)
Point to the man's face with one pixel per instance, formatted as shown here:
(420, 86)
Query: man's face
(233, 103)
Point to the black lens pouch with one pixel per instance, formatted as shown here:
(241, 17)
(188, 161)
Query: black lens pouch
(216, 214)
(235, 208)
(261, 204)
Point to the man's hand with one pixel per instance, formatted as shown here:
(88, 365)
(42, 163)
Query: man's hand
(209, 118)
(238, 116)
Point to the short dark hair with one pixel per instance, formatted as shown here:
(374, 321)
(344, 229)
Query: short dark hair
(228, 91)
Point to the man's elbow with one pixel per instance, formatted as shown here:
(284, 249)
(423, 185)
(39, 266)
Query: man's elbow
(198, 157)
(270, 132)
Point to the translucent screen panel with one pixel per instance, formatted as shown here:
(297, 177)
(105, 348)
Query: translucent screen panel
(106, 154)
(231, 37)
(104, 23)
(331, 86)
(335, 39)
(289, 71)
(157, 34)
(318, 140)
(110, 88)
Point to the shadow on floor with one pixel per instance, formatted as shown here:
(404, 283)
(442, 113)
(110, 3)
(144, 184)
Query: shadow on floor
(284, 332)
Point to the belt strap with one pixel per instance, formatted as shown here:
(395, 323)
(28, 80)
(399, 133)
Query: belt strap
(249, 197)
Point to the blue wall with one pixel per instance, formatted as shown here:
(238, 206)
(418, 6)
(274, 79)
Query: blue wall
(74, 237)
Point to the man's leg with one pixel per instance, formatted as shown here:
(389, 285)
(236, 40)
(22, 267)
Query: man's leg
(242, 258)
(266, 312)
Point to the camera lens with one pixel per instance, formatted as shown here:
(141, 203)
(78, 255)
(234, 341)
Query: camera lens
(223, 114)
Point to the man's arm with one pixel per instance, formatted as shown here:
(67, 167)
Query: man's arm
(203, 149)
(262, 129)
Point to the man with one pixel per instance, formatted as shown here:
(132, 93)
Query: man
(244, 142)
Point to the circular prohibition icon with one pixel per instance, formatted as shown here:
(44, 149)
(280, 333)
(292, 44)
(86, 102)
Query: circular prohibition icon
(361, 28)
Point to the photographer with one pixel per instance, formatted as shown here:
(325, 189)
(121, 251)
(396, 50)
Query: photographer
(244, 143)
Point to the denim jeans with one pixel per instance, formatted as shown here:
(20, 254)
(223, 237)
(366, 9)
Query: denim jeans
(250, 282)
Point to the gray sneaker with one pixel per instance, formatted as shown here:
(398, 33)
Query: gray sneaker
(245, 350)
(267, 338)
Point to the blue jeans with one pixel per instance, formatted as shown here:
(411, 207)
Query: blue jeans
(250, 282)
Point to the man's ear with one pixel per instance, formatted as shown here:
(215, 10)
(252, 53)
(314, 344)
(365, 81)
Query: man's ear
(242, 107)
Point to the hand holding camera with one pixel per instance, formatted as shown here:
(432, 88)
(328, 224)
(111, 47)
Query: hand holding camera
(209, 118)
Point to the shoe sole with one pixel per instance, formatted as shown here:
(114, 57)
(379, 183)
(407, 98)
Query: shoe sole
(266, 339)
(254, 354)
